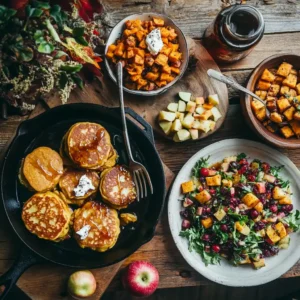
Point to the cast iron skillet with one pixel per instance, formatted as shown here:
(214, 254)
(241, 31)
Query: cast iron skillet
(47, 130)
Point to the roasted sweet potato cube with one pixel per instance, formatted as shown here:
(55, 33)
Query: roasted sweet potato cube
(164, 76)
(161, 83)
(261, 114)
(250, 200)
(203, 197)
(142, 81)
(135, 77)
(289, 113)
(283, 104)
(274, 90)
(276, 117)
(272, 127)
(278, 80)
(294, 71)
(263, 85)
(256, 105)
(166, 69)
(267, 76)
(142, 44)
(187, 187)
(138, 60)
(166, 50)
(290, 80)
(136, 23)
(165, 41)
(284, 69)
(292, 93)
(151, 76)
(119, 49)
(140, 35)
(207, 223)
(298, 88)
(295, 124)
(109, 54)
(161, 59)
(213, 180)
(271, 105)
(285, 200)
(280, 228)
(284, 90)
(149, 60)
(158, 21)
(261, 94)
(174, 56)
(297, 115)
(287, 132)
(111, 48)
(174, 47)
(130, 53)
(134, 70)
(164, 32)
(139, 52)
(175, 70)
(172, 34)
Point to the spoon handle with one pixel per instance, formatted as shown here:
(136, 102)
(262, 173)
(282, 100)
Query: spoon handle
(220, 77)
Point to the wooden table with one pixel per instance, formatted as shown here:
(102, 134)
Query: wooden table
(193, 16)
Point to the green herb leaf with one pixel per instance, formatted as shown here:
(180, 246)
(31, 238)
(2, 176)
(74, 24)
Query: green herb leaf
(292, 220)
(39, 4)
(241, 156)
(45, 47)
(276, 170)
(25, 54)
(238, 217)
(78, 31)
(32, 12)
(77, 80)
(63, 80)
(71, 69)
(60, 54)
(201, 163)
(58, 15)
(81, 40)
(6, 13)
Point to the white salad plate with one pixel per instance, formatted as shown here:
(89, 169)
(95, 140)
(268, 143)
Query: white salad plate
(226, 273)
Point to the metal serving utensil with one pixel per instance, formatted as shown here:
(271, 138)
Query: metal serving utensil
(222, 78)
(140, 173)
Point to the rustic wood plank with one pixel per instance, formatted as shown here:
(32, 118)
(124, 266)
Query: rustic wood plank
(193, 17)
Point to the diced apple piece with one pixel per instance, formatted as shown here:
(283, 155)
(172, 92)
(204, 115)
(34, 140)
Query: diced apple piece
(188, 121)
(203, 196)
(212, 124)
(261, 187)
(284, 243)
(227, 183)
(224, 166)
(176, 125)
(200, 110)
(173, 107)
(212, 172)
(180, 116)
(205, 126)
(196, 124)
(269, 178)
(197, 116)
(190, 107)
(229, 159)
(199, 100)
(213, 99)
(216, 114)
(194, 134)
(259, 264)
(183, 135)
(165, 126)
(181, 106)
(166, 116)
(220, 214)
(242, 228)
(278, 193)
(185, 96)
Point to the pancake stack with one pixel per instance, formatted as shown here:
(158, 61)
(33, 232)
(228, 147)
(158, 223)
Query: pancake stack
(86, 164)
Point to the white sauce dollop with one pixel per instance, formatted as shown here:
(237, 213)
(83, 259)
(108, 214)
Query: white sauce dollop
(84, 231)
(84, 185)
(154, 41)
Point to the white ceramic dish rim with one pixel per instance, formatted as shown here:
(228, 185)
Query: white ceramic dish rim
(235, 276)
(160, 90)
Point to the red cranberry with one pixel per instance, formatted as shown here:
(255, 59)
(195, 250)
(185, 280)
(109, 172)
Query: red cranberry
(204, 172)
(266, 167)
(273, 208)
(224, 227)
(263, 199)
(216, 248)
(243, 161)
(254, 214)
(206, 237)
(243, 169)
(289, 207)
(212, 192)
(266, 253)
(251, 178)
(186, 224)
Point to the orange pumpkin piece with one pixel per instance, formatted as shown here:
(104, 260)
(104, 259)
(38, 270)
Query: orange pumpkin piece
(165, 41)
(119, 49)
(111, 48)
(166, 69)
(174, 47)
(158, 21)
(138, 60)
(174, 56)
(151, 76)
(207, 106)
(140, 34)
(135, 77)
(142, 44)
(166, 50)
(161, 83)
(130, 53)
(175, 70)
(161, 59)
(164, 32)
(139, 52)
(109, 54)
(172, 34)
(149, 60)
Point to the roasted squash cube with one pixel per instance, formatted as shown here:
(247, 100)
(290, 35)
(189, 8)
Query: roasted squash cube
(273, 236)
(187, 187)
(173, 34)
(164, 33)
(298, 88)
(149, 60)
(242, 228)
(297, 115)
(174, 47)
(256, 105)
(281, 230)
(175, 70)
(166, 50)
(161, 59)
(278, 79)
(274, 90)
(213, 180)
(161, 83)
(271, 105)
(135, 77)
(166, 69)
(283, 104)
(151, 76)
(140, 35)
(263, 85)
(285, 200)
(119, 49)
(259, 207)
(141, 82)
(250, 200)
(261, 114)
(284, 69)
(278, 193)
(267, 76)
(290, 81)
(207, 223)
(287, 132)
(138, 60)
(143, 45)
(111, 48)
(109, 54)
(284, 90)
(289, 113)
(261, 94)
(276, 117)
(158, 21)
(175, 56)
(295, 124)
(203, 196)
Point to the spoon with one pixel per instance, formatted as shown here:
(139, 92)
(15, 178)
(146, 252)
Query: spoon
(222, 78)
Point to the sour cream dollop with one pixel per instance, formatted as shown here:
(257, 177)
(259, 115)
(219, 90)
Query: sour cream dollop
(85, 184)
(83, 232)
(154, 41)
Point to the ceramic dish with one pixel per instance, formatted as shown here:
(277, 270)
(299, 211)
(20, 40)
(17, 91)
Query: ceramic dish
(116, 34)
(225, 273)
(272, 138)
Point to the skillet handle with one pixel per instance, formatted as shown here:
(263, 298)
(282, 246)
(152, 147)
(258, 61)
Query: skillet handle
(147, 127)
(26, 259)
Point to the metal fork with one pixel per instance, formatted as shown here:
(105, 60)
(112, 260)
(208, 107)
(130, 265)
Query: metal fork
(139, 172)
(222, 78)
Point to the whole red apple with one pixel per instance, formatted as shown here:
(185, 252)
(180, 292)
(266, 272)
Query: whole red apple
(140, 278)
(82, 284)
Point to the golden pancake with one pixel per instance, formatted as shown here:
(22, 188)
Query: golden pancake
(117, 187)
(74, 186)
(88, 145)
(41, 169)
(47, 216)
(111, 161)
(96, 226)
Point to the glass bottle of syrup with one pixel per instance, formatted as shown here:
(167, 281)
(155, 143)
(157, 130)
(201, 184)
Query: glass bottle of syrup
(234, 33)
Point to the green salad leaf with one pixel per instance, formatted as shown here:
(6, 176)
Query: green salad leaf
(201, 163)
(293, 220)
